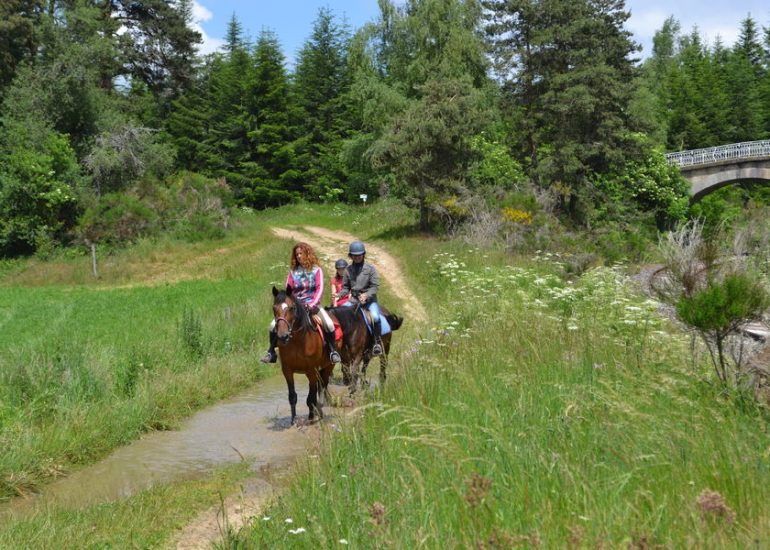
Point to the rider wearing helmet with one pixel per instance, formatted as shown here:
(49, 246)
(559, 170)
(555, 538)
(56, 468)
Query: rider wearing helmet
(336, 283)
(361, 283)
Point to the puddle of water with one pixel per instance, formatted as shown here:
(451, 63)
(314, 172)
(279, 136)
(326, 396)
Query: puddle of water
(255, 425)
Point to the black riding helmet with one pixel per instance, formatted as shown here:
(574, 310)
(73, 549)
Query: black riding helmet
(357, 248)
(340, 264)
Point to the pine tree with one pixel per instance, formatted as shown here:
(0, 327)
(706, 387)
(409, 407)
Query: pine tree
(269, 169)
(322, 82)
(569, 70)
(745, 73)
(20, 26)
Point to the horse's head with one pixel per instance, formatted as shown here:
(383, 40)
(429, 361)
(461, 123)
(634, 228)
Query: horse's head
(284, 312)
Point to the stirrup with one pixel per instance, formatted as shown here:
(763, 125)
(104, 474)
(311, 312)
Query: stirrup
(376, 349)
(334, 357)
(270, 357)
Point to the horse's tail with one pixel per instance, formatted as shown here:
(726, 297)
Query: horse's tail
(394, 321)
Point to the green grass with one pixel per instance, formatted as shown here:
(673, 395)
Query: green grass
(550, 414)
(533, 412)
(89, 364)
(146, 520)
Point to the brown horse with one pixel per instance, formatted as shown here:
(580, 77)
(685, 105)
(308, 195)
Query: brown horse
(301, 349)
(357, 344)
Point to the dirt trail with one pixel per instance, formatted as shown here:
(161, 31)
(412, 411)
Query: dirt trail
(334, 244)
(238, 510)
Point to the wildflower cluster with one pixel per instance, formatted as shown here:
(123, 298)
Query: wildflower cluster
(600, 299)
(517, 216)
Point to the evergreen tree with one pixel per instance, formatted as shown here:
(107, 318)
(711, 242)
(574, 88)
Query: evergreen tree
(420, 84)
(272, 179)
(20, 26)
(322, 82)
(569, 69)
(745, 73)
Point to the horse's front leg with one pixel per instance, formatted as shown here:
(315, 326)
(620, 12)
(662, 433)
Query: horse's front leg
(289, 376)
(364, 379)
(384, 359)
(312, 396)
(323, 391)
(355, 365)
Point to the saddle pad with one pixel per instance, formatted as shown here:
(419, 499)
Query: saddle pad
(384, 325)
(337, 330)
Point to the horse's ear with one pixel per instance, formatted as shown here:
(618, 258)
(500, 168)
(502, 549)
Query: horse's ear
(288, 291)
(275, 292)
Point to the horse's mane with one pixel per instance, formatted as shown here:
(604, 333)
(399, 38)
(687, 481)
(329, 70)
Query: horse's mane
(300, 313)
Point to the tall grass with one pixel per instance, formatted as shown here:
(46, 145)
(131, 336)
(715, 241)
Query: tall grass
(87, 365)
(538, 413)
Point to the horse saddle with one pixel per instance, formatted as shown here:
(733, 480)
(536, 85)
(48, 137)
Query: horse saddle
(384, 325)
(319, 327)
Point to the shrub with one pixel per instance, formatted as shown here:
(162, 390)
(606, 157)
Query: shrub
(719, 310)
(117, 218)
(714, 291)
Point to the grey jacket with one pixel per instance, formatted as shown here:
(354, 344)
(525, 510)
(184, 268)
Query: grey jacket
(360, 278)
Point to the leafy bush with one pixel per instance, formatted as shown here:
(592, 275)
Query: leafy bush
(126, 154)
(714, 289)
(723, 305)
(190, 206)
(38, 188)
(719, 310)
(117, 218)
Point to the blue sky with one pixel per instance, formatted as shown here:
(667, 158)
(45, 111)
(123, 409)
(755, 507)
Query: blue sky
(292, 20)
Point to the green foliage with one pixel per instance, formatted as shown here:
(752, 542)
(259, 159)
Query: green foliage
(38, 192)
(427, 146)
(495, 166)
(722, 305)
(189, 206)
(322, 82)
(19, 35)
(190, 331)
(569, 76)
(117, 218)
(648, 185)
(123, 155)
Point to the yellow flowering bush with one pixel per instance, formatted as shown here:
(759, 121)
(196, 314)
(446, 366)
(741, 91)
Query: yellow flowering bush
(517, 216)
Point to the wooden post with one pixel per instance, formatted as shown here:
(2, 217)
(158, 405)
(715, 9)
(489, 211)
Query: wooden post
(93, 260)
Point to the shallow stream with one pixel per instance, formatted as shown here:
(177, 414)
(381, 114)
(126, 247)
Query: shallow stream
(254, 426)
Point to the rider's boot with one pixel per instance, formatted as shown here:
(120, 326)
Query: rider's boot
(377, 329)
(334, 356)
(271, 356)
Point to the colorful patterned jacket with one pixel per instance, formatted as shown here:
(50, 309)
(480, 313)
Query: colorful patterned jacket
(307, 286)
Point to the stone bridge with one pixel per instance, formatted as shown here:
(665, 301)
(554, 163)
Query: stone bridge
(710, 169)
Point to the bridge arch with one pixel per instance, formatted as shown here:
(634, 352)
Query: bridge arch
(715, 167)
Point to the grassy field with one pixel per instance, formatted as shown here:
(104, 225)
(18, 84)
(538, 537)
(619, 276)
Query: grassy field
(533, 411)
(89, 364)
(537, 413)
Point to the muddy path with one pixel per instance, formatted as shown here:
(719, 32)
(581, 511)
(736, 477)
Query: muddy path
(239, 509)
(330, 245)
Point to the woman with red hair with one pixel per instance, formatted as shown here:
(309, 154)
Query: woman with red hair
(306, 281)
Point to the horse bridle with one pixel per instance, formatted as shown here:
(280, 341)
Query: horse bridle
(285, 320)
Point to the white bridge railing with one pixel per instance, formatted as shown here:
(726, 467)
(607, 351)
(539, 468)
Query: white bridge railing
(722, 153)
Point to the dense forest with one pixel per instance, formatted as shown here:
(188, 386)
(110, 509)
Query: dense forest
(493, 117)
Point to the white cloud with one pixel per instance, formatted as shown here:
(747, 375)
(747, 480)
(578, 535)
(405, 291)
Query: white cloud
(645, 24)
(201, 13)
